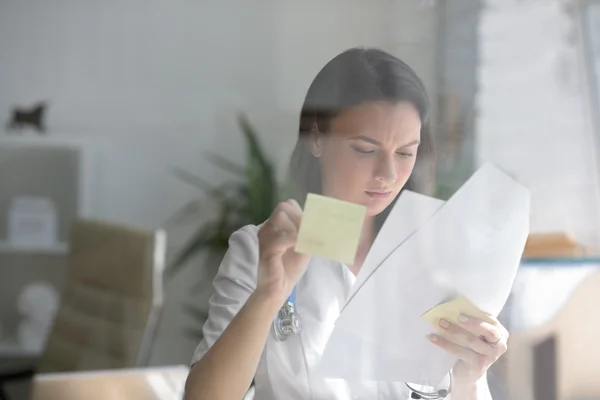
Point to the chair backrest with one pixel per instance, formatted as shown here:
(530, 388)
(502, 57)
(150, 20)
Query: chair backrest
(560, 360)
(112, 300)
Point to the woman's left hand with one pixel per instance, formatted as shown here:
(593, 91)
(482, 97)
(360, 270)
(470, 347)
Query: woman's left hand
(477, 344)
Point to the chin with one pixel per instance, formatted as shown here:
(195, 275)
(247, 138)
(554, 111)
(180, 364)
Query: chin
(376, 209)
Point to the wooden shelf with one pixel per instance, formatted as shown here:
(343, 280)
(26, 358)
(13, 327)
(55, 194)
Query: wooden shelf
(59, 248)
(561, 261)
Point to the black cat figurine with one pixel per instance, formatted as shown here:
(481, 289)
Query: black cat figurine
(33, 117)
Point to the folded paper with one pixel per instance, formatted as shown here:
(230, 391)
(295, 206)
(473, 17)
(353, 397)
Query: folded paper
(470, 246)
(410, 212)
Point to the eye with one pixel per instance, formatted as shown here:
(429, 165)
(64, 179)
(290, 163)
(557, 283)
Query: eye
(405, 154)
(363, 151)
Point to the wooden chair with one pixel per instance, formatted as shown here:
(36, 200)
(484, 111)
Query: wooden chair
(111, 303)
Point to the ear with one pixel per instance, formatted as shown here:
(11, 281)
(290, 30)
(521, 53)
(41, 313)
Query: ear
(316, 141)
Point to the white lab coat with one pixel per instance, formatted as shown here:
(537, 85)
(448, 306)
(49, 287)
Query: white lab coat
(285, 368)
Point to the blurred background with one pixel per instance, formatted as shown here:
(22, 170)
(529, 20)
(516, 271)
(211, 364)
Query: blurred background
(122, 117)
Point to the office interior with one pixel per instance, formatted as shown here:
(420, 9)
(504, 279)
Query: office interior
(117, 115)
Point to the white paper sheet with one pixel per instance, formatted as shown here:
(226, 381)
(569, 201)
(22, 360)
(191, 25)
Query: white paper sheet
(410, 212)
(471, 246)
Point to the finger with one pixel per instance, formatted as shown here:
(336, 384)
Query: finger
(493, 333)
(294, 204)
(467, 355)
(289, 207)
(293, 210)
(463, 337)
(276, 235)
(282, 225)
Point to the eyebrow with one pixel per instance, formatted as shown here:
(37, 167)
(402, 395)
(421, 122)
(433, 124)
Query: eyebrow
(377, 143)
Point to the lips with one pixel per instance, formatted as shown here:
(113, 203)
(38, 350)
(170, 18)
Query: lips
(378, 194)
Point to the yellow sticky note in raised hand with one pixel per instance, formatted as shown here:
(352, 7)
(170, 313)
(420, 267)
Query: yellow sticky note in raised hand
(451, 310)
(330, 228)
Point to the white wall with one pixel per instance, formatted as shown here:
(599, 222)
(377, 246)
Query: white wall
(149, 83)
(153, 83)
(533, 113)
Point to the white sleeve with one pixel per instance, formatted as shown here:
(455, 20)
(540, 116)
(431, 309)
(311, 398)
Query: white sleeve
(234, 282)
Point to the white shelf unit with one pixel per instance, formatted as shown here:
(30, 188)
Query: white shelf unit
(58, 248)
(13, 349)
(56, 141)
(52, 167)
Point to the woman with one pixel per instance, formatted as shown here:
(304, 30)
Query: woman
(361, 128)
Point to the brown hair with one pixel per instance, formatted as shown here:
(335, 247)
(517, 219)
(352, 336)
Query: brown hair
(354, 77)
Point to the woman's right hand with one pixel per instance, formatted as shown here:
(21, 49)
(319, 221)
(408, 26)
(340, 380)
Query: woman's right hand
(280, 267)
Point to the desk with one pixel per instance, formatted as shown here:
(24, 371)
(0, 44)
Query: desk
(541, 289)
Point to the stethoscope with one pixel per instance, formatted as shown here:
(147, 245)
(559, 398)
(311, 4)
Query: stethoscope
(287, 322)
(437, 395)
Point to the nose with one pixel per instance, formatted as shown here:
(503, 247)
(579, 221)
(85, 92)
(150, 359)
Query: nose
(386, 170)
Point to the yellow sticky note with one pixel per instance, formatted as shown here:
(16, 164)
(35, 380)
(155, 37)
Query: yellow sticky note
(330, 228)
(452, 309)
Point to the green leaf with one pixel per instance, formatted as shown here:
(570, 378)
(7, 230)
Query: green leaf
(193, 310)
(249, 200)
(227, 165)
(285, 192)
(197, 315)
(195, 333)
(203, 238)
(192, 179)
(261, 185)
(217, 193)
(250, 134)
(188, 209)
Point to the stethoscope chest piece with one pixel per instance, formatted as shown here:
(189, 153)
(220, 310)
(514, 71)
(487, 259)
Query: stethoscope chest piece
(287, 321)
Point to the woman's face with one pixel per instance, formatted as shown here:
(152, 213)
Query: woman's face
(369, 153)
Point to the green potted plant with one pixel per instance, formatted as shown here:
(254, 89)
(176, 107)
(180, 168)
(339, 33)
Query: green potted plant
(249, 198)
